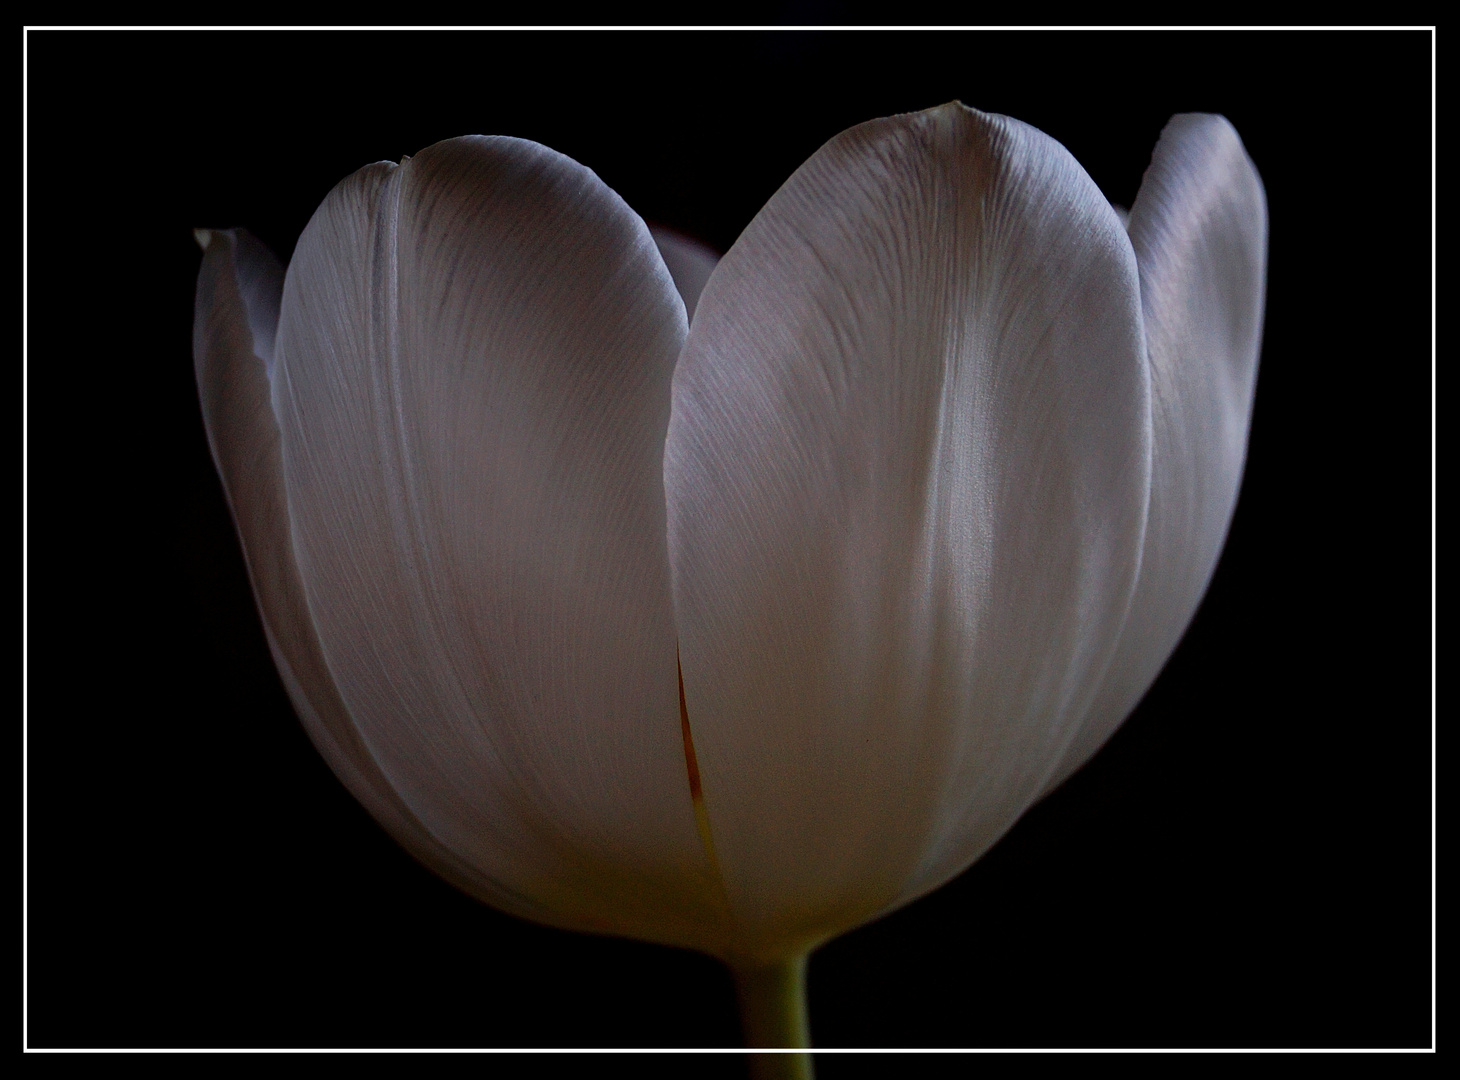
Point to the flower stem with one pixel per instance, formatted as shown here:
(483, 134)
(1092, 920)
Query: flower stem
(773, 1013)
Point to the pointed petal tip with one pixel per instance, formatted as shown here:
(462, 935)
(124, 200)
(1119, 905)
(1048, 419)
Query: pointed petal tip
(949, 110)
(204, 237)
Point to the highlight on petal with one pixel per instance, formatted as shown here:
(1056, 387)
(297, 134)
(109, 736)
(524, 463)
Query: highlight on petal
(236, 316)
(906, 470)
(472, 381)
(690, 264)
(1199, 228)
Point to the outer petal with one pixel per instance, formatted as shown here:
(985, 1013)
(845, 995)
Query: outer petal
(906, 470)
(474, 362)
(1199, 227)
(690, 264)
(236, 318)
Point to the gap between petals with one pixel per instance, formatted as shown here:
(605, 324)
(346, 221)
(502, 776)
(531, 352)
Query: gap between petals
(696, 792)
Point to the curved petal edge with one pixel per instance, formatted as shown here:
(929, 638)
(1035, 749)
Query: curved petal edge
(1199, 229)
(236, 315)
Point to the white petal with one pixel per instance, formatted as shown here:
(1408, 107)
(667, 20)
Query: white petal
(475, 355)
(236, 316)
(690, 264)
(906, 470)
(1199, 227)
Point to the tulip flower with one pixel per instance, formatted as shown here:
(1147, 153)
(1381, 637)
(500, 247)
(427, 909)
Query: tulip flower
(734, 633)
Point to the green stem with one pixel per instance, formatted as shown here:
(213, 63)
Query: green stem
(773, 1013)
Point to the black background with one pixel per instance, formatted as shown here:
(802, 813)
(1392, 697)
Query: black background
(1246, 864)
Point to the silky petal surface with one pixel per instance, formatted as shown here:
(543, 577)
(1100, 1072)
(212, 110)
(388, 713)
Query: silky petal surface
(1199, 229)
(907, 470)
(690, 264)
(235, 321)
(473, 375)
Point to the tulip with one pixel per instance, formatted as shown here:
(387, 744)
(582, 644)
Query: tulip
(738, 634)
